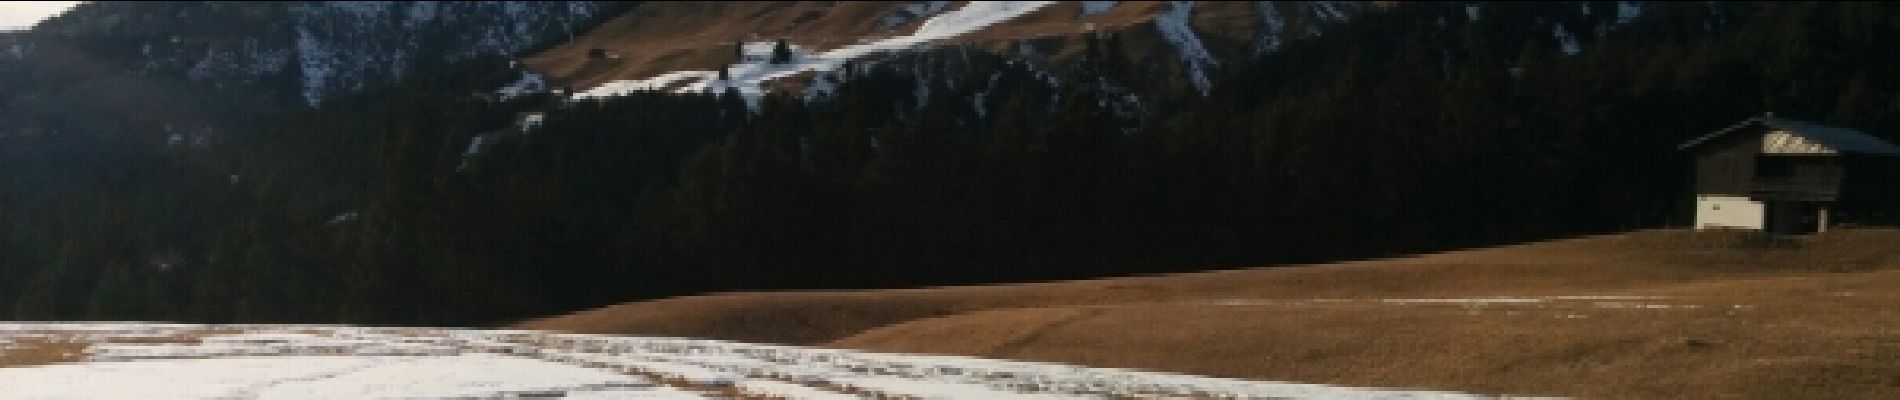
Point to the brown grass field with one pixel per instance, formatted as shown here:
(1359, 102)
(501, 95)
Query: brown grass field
(1649, 314)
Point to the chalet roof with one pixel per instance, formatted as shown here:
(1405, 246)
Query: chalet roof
(1840, 139)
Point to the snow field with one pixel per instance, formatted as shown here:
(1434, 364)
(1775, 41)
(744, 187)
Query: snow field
(309, 362)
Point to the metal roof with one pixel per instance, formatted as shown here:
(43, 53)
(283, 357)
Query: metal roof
(1840, 139)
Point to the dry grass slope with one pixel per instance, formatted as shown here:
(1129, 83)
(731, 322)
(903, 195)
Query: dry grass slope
(1652, 314)
(661, 36)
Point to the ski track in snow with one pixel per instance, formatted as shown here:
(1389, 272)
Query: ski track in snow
(749, 77)
(180, 361)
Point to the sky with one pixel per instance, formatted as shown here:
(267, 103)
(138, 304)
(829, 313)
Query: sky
(16, 15)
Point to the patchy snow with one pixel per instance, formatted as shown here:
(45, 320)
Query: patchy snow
(749, 77)
(905, 388)
(324, 362)
(529, 83)
(1627, 11)
(344, 46)
(1176, 27)
(980, 101)
(310, 377)
(1273, 27)
(316, 73)
(1565, 41)
(344, 217)
(823, 85)
(360, 8)
(788, 390)
(419, 13)
(910, 13)
(474, 145)
(528, 122)
(463, 376)
(1329, 11)
(1471, 12)
(1090, 8)
(659, 82)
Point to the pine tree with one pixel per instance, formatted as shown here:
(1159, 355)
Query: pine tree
(781, 52)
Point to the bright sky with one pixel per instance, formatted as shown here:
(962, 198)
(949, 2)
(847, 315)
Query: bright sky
(23, 14)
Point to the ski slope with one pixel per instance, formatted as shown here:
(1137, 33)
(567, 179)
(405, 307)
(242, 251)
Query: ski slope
(172, 361)
(749, 77)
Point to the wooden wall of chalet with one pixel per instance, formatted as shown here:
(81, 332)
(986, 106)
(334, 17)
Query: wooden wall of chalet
(1797, 177)
(1726, 166)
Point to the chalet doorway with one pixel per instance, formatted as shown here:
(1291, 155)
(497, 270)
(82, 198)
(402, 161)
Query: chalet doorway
(1793, 217)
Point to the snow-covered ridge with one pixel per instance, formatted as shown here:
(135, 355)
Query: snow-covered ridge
(749, 77)
(174, 361)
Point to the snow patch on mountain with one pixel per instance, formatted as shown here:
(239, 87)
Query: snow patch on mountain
(345, 45)
(980, 101)
(1471, 12)
(1175, 26)
(316, 73)
(748, 77)
(1565, 41)
(1272, 27)
(360, 8)
(474, 145)
(246, 59)
(1627, 11)
(344, 217)
(922, 77)
(911, 13)
(1329, 11)
(1122, 103)
(419, 13)
(529, 82)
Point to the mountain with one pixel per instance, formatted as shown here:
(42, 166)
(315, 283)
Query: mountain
(360, 162)
(318, 48)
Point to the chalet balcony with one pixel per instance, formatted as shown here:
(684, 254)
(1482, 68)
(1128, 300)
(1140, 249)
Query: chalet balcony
(1794, 190)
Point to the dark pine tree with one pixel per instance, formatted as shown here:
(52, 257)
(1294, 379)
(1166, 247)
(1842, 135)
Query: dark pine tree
(781, 52)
